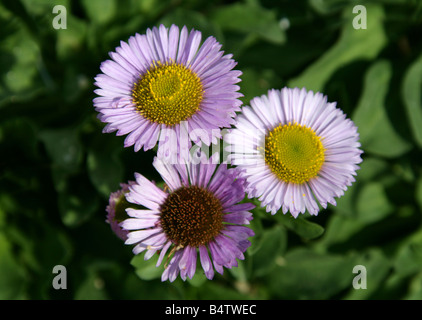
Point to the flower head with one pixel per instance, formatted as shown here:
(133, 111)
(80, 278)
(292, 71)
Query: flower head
(295, 150)
(198, 213)
(116, 210)
(164, 84)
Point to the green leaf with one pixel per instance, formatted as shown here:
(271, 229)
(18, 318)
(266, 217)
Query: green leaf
(377, 135)
(415, 288)
(257, 82)
(367, 205)
(77, 199)
(377, 268)
(92, 288)
(310, 275)
(19, 135)
(419, 192)
(19, 57)
(77, 207)
(198, 279)
(409, 257)
(249, 18)
(372, 203)
(70, 41)
(411, 91)
(352, 45)
(346, 204)
(302, 227)
(105, 171)
(6, 204)
(54, 248)
(146, 269)
(43, 7)
(155, 8)
(272, 244)
(327, 6)
(370, 168)
(63, 147)
(213, 290)
(12, 277)
(191, 19)
(100, 11)
(339, 229)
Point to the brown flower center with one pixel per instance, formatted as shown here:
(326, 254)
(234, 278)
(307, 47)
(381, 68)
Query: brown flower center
(191, 216)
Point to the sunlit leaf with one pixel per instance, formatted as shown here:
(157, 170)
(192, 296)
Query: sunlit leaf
(339, 229)
(309, 275)
(19, 57)
(351, 46)
(412, 98)
(419, 192)
(372, 203)
(70, 41)
(250, 18)
(272, 244)
(327, 6)
(146, 269)
(100, 11)
(370, 168)
(12, 276)
(415, 288)
(377, 266)
(192, 19)
(92, 288)
(304, 228)
(377, 134)
(409, 256)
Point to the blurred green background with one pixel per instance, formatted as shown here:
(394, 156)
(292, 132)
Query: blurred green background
(57, 169)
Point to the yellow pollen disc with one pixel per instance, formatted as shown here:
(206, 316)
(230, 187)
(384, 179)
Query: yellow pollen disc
(294, 152)
(168, 93)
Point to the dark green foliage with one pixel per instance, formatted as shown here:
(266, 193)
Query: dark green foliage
(57, 168)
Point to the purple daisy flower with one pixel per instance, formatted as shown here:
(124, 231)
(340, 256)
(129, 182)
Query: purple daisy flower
(199, 212)
(116, 209)
(163, 85)
(295, 150)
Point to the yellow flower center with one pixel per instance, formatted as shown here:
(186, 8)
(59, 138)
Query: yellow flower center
(168, 93)
(294, 152)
